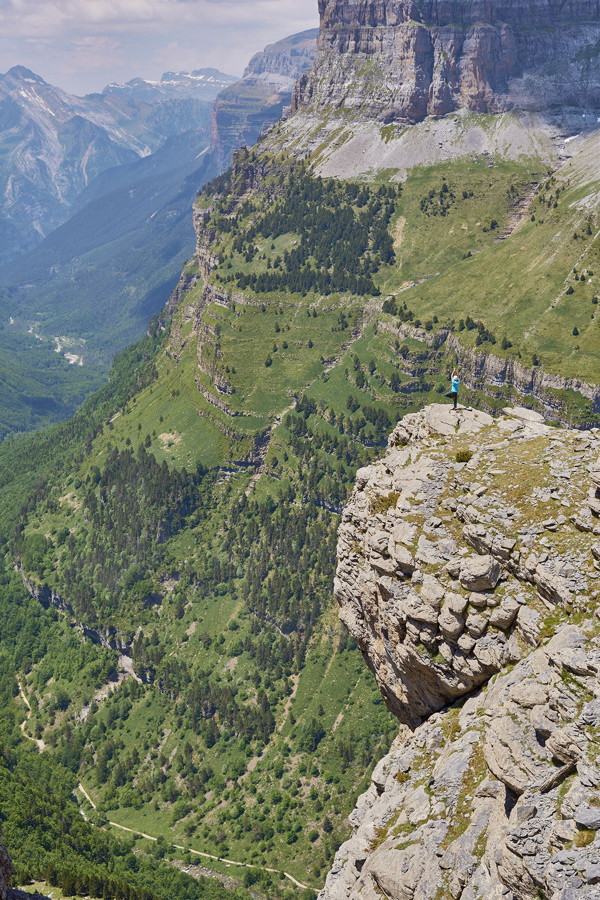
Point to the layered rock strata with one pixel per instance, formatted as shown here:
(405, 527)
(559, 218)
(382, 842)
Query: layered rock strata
(398, 60)
(472, 547)
(243, 110)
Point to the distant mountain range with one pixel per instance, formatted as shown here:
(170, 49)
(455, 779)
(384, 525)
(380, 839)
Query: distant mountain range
(53, 144)
(95, 213)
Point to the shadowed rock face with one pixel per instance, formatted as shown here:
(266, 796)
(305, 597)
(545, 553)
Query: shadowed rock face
(397, 60)
(6, 869)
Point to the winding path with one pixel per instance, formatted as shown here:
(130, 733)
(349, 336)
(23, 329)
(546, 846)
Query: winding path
(230, 862)
(37, 741)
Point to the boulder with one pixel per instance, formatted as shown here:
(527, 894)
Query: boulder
(479, 601)
(593, 501)
(525, 415)
(479, 573)
(552, 587)
(528, 694)
(504, 615)
(455, 602)
(432, 591)
(417, 609)
(450, 623)
(475, 624)
(403, 559)
(587, 817)
(528, 625)
(378, 541)
(404, 533)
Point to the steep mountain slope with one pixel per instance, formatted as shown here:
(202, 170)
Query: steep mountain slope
(245, 109)
(54, 144)
(180, 529)
(123, 250)
(185, 523)
(128, 234)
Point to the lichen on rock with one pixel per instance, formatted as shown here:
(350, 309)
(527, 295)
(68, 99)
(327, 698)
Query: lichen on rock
(470, 589)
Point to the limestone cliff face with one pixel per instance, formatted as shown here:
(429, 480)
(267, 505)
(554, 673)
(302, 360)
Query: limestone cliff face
(242, 111)
(461, 582)
(399, 60)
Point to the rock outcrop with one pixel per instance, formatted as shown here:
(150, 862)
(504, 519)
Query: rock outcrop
(400, 61)
(467, 574)
(497, 797)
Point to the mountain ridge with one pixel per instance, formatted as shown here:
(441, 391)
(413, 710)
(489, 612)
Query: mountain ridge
(55, 144)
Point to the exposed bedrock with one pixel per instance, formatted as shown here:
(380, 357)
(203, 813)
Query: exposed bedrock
(497, 799)
(468, 563)
(403, 61)
(445, 567)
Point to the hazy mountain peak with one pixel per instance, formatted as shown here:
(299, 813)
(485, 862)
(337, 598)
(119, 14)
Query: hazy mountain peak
(201, 83)
(21, 73)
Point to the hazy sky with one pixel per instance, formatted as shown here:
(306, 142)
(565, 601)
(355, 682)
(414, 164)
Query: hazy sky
(82, 45)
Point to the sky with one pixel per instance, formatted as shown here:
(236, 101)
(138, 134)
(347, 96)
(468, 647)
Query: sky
(83, 45)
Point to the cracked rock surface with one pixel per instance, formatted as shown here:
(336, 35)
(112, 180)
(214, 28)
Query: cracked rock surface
(478, 621)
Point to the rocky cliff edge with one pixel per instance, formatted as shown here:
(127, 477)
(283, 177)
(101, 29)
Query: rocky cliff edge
(468, 577)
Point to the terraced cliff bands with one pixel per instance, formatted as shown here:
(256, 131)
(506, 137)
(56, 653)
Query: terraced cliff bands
(471, 547)
(243, 110)
(403, 61)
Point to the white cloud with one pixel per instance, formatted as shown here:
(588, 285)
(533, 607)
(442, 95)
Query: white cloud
(84, 44)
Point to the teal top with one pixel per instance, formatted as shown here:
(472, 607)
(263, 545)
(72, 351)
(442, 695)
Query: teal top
(455, 384)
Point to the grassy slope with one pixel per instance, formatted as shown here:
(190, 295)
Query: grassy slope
(516, 286)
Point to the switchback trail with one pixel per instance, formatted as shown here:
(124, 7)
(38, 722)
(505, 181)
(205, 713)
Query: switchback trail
(37, 741)
(230, 862)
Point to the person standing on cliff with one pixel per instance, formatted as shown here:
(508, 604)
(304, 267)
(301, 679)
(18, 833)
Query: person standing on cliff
(453, 392)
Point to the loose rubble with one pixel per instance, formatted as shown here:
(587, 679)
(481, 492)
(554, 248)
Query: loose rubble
(471, 591)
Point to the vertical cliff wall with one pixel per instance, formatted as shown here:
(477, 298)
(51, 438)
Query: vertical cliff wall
(399, 60)
(242, 111)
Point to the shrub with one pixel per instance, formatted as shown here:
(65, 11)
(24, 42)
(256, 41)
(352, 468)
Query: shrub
(575, 331)
(268, 361)
(313, 835)
(463, 456)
